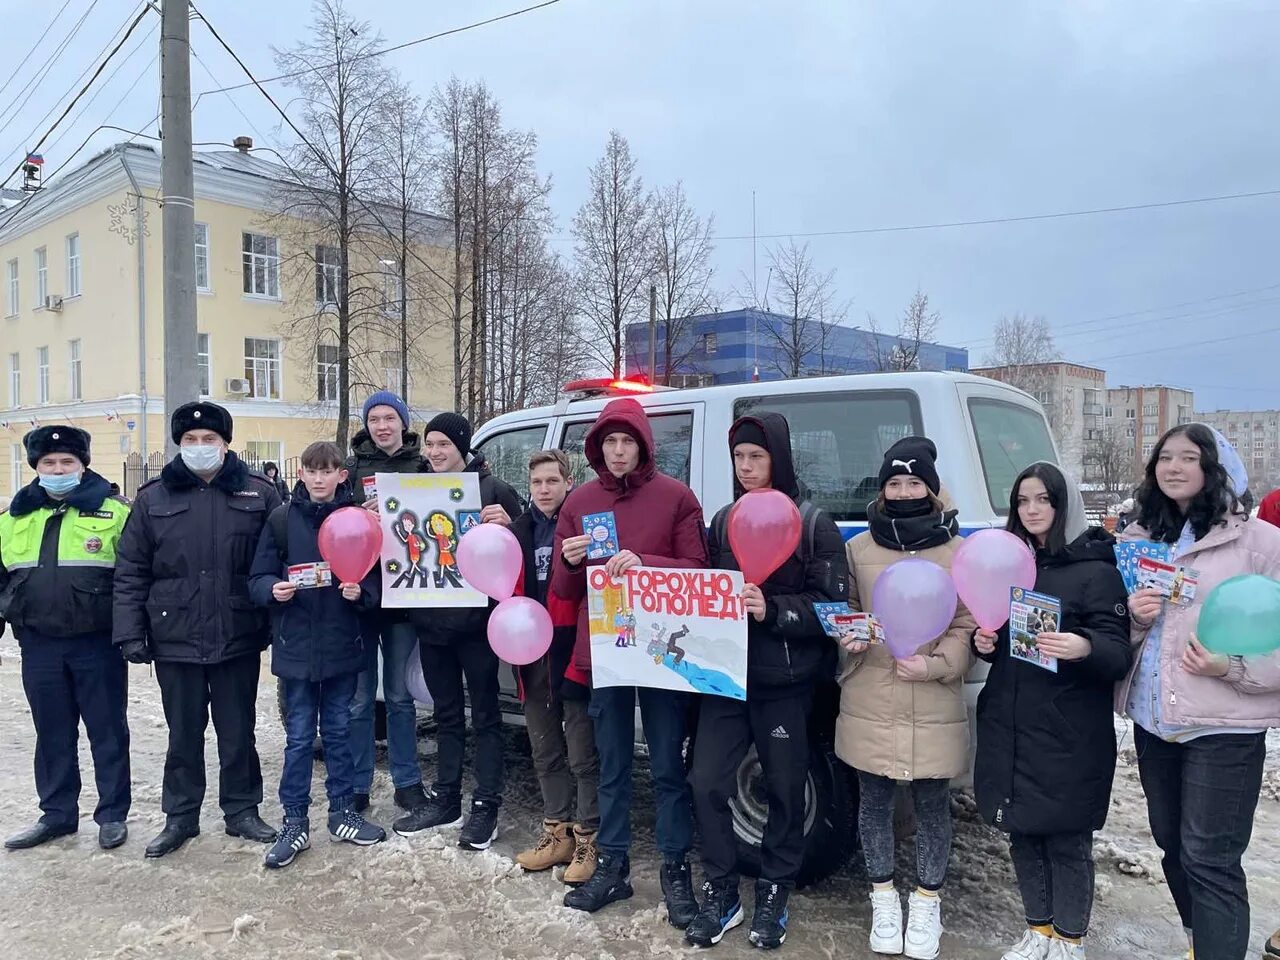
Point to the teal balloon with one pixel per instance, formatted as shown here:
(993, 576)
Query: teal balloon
(1241, 617)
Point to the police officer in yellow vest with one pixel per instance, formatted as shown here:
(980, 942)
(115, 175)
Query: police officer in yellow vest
(57, 560)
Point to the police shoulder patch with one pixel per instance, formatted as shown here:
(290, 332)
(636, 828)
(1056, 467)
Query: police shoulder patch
(247, 493)
(98, 514)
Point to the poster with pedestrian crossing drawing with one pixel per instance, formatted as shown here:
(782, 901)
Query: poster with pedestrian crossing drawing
(423, 516)
(671, 629)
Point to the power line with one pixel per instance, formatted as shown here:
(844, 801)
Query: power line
(373, 53)
(33, 84)
(35, 46)
(1181, 346)
(102, 66)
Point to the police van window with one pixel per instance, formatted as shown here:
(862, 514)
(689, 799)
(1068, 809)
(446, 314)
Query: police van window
(507, 455)
(672, 435)
(838, 441)
(1010, 438)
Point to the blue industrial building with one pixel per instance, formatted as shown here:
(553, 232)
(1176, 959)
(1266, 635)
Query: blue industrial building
(731, 346)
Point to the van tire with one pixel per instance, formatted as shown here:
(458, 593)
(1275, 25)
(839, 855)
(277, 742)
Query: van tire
(831, 811)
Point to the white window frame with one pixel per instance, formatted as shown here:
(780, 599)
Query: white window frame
(204, 364)
(275, 455)
(326, 374)
(42, 276)
(73, 265)
(267, 260)
(42, 374)
(12, 289)
(327, 275)
(15, 379)
(270, 368)
(202, 258)
(75, 369)
(392, 293)
(392, 374)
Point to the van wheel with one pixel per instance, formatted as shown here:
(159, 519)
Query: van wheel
(830, 813)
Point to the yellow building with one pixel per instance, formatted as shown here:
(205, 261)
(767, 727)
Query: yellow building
(81, 338)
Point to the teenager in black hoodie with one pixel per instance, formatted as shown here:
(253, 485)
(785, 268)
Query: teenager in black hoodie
(787, 652)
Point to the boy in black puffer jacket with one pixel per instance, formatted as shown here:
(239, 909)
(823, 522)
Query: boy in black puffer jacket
(787, 652)
(317, 651)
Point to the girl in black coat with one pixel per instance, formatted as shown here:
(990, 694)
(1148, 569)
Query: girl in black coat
(1046, 740)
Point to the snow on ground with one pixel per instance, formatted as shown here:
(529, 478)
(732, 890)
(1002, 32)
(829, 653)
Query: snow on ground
(426, 898)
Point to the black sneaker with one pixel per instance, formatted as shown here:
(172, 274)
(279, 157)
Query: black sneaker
(482, 826)
(677, 891)
(721, 912)
(769, 921)
(410, 798)
(351, 827)
(293, 838)
(438, 811)
(359, 802)
(611, 882)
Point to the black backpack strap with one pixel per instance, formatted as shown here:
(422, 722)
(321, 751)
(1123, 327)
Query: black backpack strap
(279, 523)
(809, 514)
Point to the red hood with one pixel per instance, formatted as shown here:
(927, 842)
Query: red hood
(623, 413)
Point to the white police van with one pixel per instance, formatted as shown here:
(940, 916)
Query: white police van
(986, 433)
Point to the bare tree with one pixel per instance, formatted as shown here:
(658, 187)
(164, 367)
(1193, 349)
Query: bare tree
(1023, 347)
(683, 272)
(1109, 463)
(804, 300)
(341, 85)
(614, 250)
(917, 325)
(451, 163)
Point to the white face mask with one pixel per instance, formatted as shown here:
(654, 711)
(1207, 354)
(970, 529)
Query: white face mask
(202, 458)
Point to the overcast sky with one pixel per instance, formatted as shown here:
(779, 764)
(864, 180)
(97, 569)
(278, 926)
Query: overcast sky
(849, 115)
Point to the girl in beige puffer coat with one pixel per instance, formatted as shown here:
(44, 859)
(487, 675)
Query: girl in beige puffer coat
(905, 720)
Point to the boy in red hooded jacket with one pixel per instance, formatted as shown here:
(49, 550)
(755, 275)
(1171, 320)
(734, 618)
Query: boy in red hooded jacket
(659, 524)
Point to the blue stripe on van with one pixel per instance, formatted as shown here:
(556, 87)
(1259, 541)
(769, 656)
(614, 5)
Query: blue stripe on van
(849, 529)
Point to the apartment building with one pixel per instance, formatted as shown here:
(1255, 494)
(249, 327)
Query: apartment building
(1139, 416)
(1256, 436)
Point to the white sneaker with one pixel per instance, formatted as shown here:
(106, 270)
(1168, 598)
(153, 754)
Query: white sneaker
(1061, 950)
(886, 922)
(924, 927)
(1034, 945)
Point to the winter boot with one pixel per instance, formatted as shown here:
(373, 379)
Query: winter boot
(293, 838)
(610, 882)
(410, 798)
(677, 891)
(349, 826)
(359, 802)
(583, 864)
(1273, 947)
(481, 828)
(769, 921)
(924, 927)
(721, 912)
(1034, 945)
(553, 848)
(438, 812)
(886, 922)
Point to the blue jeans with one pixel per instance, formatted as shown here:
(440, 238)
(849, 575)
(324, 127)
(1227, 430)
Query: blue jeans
(397, 641)
(1201, 798)
(662, 713)
(305, 704)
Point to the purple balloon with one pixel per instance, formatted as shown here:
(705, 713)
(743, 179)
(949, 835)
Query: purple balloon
(985, 568)
(413, 678)
(915, 601)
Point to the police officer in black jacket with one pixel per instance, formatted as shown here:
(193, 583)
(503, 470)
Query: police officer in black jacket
(182, 600)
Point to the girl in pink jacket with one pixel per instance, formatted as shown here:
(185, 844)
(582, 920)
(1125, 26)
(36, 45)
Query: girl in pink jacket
(1199, 718)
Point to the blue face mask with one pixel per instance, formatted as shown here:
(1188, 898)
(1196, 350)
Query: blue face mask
(202, 457)
(59, 484)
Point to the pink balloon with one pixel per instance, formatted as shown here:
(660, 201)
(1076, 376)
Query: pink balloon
(520, 630)
(915, 601)
(985, 568)
(489, 559)
(764, 531)
(350, 540)
(414, 681)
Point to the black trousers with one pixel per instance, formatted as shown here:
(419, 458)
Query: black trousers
(190, 693)
(68, 680)
(1055, 877)
(1201, 798)
(444, 667)
(726, 730)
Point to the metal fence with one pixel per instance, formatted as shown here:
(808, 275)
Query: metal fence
(137, 470)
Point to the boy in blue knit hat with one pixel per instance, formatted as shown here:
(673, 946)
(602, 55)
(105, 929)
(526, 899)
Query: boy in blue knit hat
(385, 445)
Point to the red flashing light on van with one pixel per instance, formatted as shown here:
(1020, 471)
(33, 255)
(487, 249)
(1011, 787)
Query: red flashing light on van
(606, 386)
